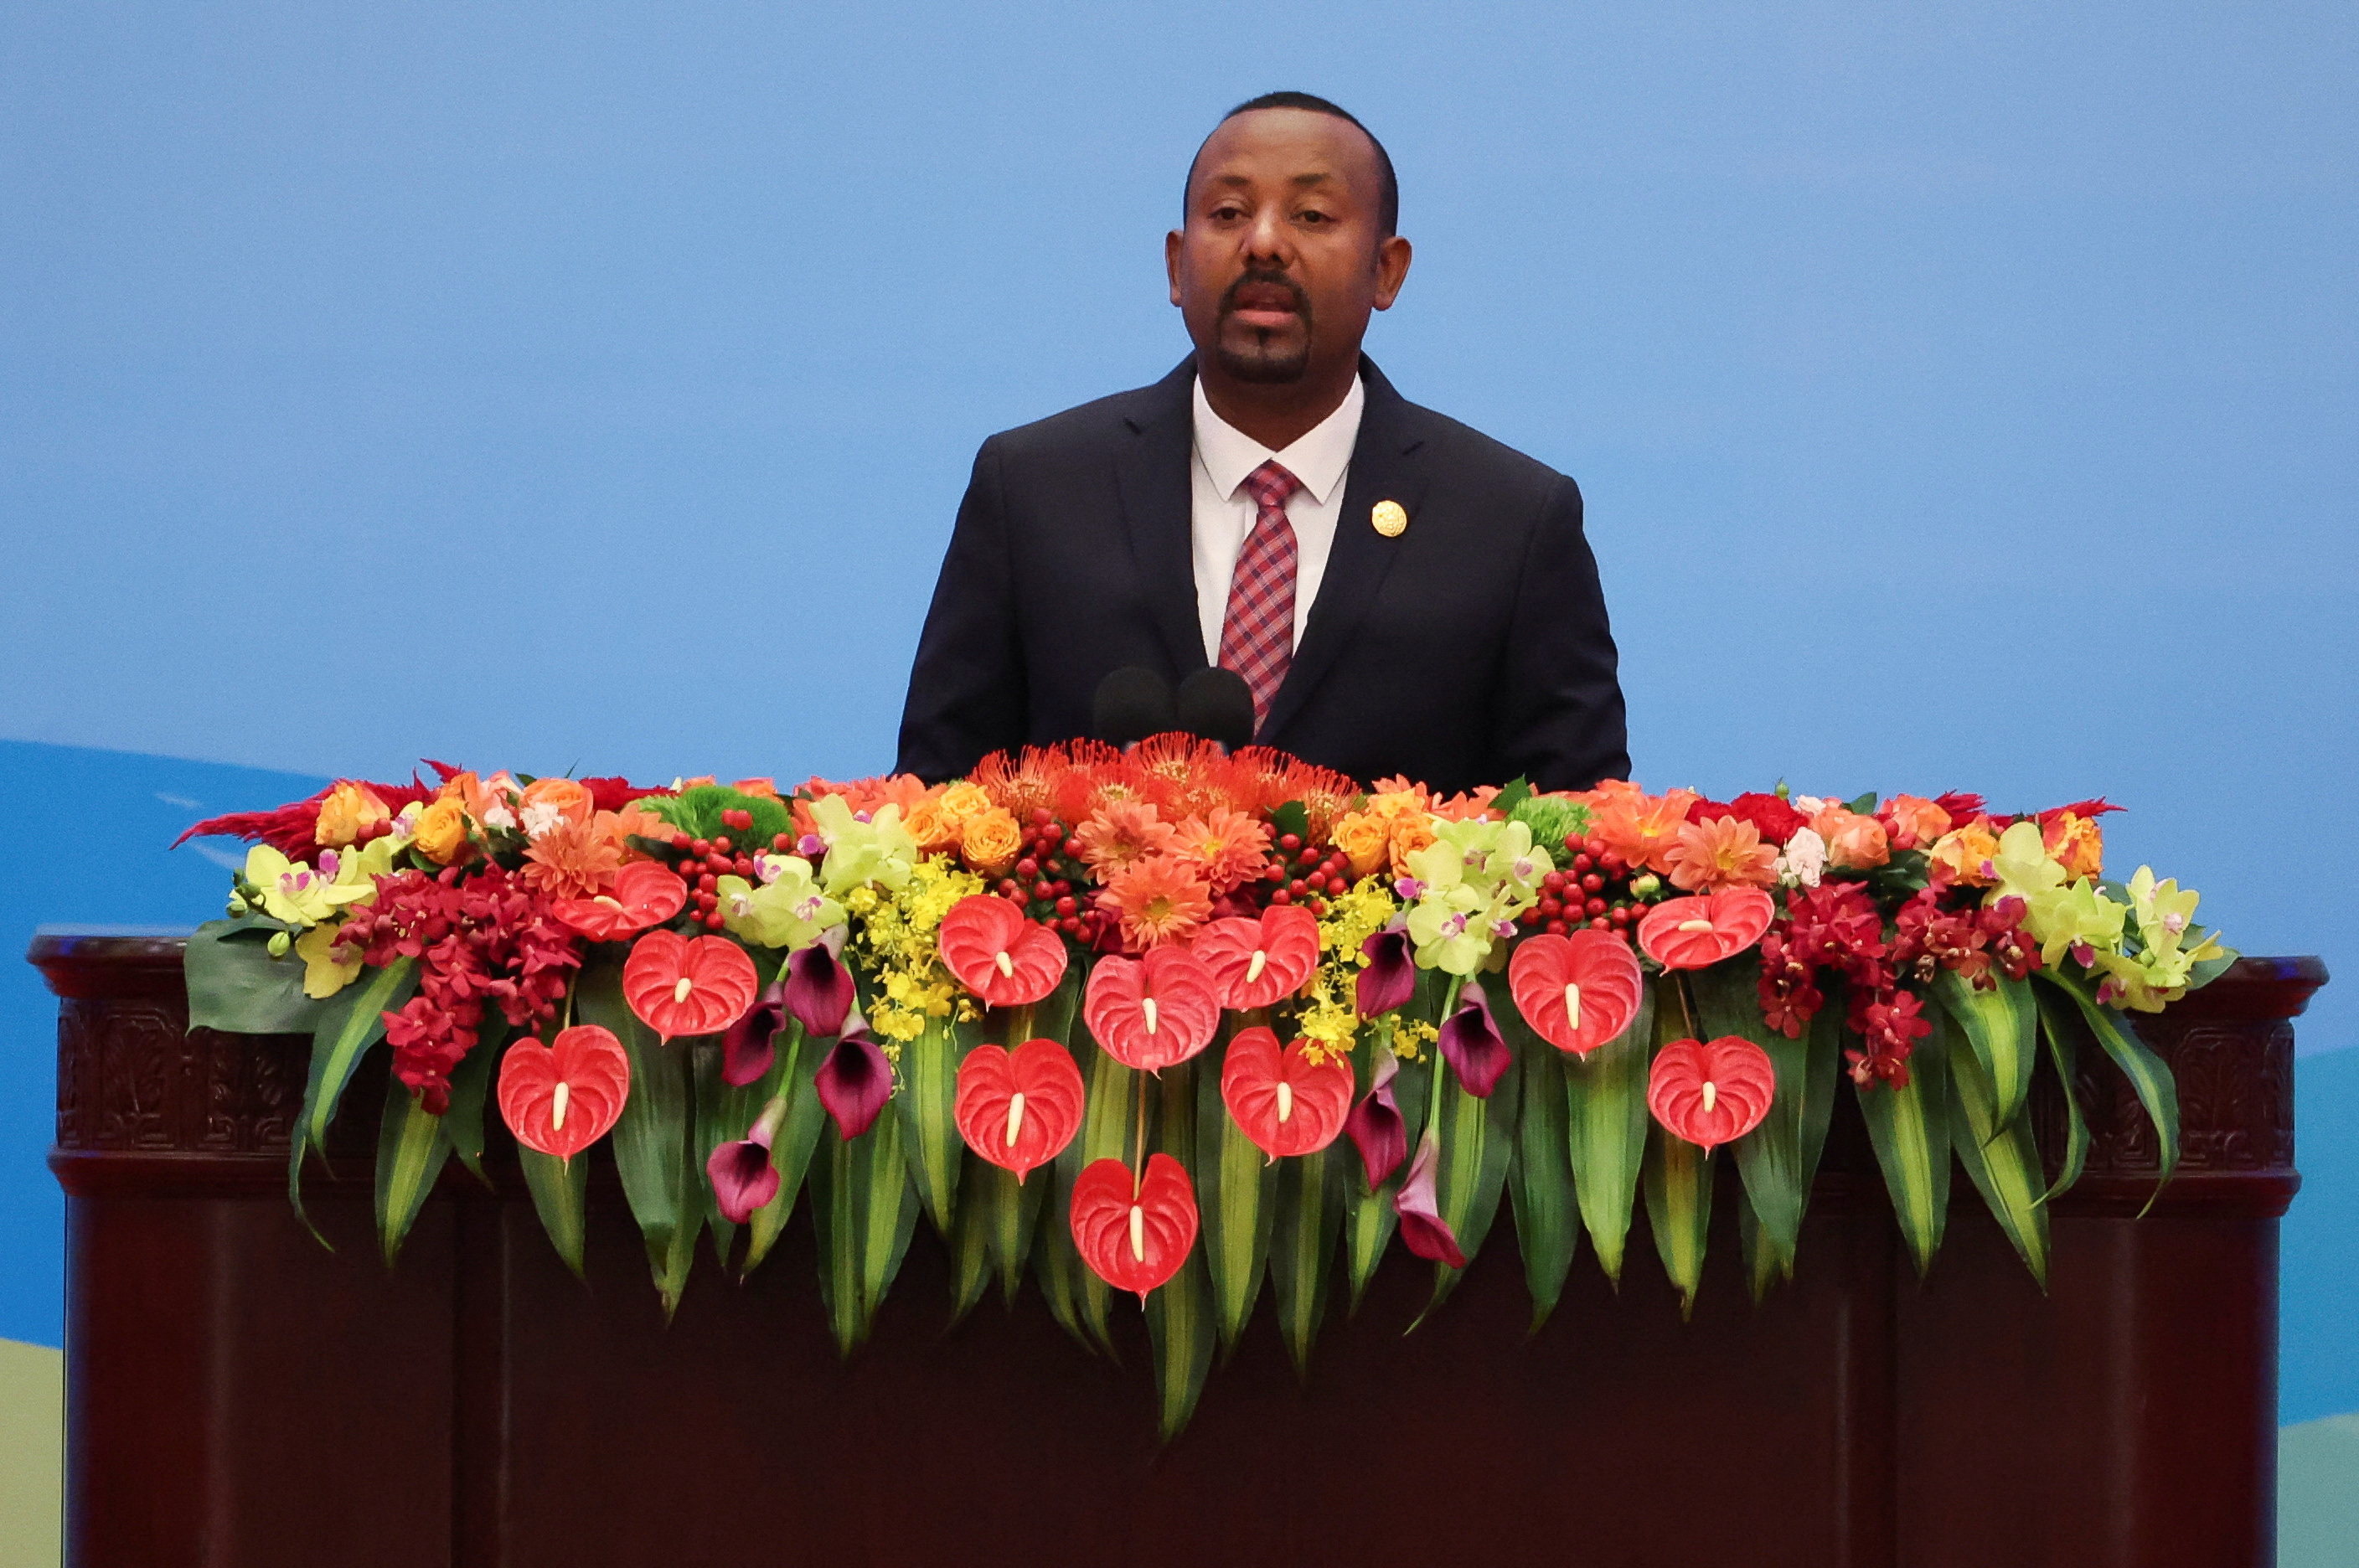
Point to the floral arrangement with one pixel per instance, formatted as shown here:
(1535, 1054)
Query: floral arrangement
(1177, 1022)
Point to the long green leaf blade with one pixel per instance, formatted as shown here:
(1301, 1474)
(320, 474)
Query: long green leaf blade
(410, 1152)
(1236, 1202)
(1540, 1183)
(790, 1151)
(654, 1136)
(561, 1192)
(1678, 1209)
(2003, 1162)
(471, 1086)
(2058, 1020)
(924, 1103)
(353, 1020)
(1478, 1142)
(1302, 1244)
(1778, 1158)
(2001, 1025)
(2149, 1075)
(1606, 1132)
(1910, 1130)
(1369, 1219)
(1181, 1314)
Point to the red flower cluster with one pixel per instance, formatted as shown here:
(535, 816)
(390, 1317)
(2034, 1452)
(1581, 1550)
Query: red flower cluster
(489, 937)
(1777, 821)
(292, 829)
(1969, 941)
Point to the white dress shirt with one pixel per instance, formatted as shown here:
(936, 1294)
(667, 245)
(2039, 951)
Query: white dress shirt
(1221, 511)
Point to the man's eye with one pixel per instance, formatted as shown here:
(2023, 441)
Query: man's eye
(1314, 217)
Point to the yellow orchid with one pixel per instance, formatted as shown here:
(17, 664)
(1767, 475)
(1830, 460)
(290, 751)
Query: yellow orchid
(2022, 867)
(788, 911)
(326, 968)
(303, 895)
(877, 849)
(2065, 919)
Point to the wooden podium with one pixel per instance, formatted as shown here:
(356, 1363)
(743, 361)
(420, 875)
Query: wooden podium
(237, 1394)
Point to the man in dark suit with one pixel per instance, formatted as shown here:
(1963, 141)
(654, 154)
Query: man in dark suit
(1401, 593)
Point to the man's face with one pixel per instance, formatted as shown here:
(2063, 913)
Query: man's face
(1284, 253)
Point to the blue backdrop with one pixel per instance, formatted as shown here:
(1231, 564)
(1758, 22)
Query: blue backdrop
(1962, 394)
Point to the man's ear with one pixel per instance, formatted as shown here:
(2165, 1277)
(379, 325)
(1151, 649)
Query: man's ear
(1392, 270)
(1171, 243)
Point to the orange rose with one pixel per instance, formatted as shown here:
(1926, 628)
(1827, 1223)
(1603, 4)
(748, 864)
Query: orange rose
(991, 840)
(553, 802)
(1854, 841)
(760, 788)
(1409, 834)
(1365, 840)
(442, 833)
(1913, 821)
(2076, 843)
(1965, 852)
(349, 811)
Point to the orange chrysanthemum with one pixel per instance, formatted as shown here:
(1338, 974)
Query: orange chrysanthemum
(1725, 852)
(1119, 834)
(575, 860)
(1227, 847)
(1641, 828)
(1158, 898)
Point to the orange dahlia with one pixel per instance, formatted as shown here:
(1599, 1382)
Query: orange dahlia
(1158, 898)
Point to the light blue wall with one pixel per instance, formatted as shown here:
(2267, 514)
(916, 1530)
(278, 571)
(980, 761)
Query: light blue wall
(1963, 393)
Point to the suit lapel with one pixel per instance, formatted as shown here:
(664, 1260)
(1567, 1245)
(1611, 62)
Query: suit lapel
(1151, 473)
(1384, 467)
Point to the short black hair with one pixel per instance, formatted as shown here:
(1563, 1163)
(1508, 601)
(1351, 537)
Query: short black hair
(1388, 199)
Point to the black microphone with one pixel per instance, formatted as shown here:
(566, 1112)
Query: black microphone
(1217, 704)
(1131, 704)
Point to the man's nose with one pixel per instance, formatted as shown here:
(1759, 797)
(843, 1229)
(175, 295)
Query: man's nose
(1268, 241)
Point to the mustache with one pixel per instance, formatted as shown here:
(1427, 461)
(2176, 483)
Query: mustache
(1299, 297)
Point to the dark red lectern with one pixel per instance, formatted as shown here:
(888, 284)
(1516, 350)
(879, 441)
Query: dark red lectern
(236, 1395)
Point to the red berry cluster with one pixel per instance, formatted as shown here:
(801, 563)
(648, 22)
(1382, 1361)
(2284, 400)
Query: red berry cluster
(1042, 880)
(1298, 874)
(703, 862)
(1594, 892)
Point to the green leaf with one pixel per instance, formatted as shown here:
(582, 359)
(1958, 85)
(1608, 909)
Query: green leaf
(2001, 1160)
(790, 1151)
(653, 1137)
(2058, 1020)
(1910, 1130)
(1369, 1219)
(2206, 970)
(353, 1020)
(997, 1217)
(1779, 1159)
(1678, 1209)
(924, 1103)
(1181, 1314)
(1606, 1132)
(2002, 1025)
(1108, 1129)
(2149, 1075)
(235, 986)
(1293, 817)
(410, 1151)
(560, 1190)
(1478, 1141)
(1540, 1183)
(1514, 793)
(1762, 1267)
(470, 1085)
(866, 1212)
(1236, 1201)
(1302, 1243)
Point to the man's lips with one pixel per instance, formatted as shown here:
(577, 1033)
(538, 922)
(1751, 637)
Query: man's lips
(1264, 305)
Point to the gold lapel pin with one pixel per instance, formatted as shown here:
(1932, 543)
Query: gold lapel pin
(1390, 519)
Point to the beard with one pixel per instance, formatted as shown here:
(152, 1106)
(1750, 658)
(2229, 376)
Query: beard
(1267, 361)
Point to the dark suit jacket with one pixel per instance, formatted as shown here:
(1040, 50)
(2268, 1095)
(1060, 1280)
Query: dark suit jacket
(1471, 649)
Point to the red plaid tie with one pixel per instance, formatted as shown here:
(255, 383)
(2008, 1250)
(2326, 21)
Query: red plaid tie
(1257, 636)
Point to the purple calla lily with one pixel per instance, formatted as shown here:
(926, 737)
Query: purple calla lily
(818, 990)
(742, 1177)
(853, 1083)
(1390, 977)
(1422, 1229)
(1375, 1125)
(1471, 1040)
(746, 1050)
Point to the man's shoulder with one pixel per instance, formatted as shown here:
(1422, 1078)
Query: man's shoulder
(1458, 449)
(1093, 425)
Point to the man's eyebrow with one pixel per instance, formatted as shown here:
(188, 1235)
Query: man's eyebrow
(1310, 178)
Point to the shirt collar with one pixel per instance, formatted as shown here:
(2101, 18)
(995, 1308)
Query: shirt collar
(1318, 458)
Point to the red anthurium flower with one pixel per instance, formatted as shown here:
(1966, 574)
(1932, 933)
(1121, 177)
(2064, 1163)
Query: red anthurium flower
(1019, 1108)
(742, 1177)
(679, 987)
(819, 990)
(1135, 1236)
(998, 955)
(1284, 1100)
(1390, 977)
(1472, 1042)
(644, 895)
(1422, 1229)
(1151, 1012)
(1259, 962)
(562, 1098)
(1577, 991)
(1689, 934)
(1375, 1125)
(1711, 1092)
(746, 1050)
(853, 1083)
